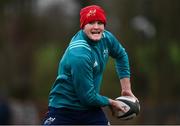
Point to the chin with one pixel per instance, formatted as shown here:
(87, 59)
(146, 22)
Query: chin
(95, 39)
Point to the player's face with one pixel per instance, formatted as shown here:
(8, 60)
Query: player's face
(94, 30)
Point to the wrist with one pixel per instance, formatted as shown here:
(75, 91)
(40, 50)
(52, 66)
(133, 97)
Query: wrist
(111, 102)
(125, 84)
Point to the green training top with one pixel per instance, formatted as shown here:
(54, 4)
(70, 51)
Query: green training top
(80, 71)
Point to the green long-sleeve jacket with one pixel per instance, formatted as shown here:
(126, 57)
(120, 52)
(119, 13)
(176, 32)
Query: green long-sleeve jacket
(80, 71)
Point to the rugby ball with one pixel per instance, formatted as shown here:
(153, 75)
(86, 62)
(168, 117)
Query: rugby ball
(131, 105)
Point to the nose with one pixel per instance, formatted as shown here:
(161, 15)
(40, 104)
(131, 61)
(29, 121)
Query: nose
(96, 25)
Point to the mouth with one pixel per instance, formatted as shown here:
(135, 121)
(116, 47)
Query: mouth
(95, 32)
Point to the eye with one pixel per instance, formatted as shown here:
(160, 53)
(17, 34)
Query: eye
(92, 22)
(100, 23)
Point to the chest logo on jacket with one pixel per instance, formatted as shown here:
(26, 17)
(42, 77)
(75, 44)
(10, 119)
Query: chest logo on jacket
(105, 53)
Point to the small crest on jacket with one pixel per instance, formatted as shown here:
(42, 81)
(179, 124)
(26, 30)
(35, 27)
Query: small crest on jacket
(105, 53)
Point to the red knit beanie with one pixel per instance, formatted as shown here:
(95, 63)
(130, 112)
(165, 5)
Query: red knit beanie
(92, 13)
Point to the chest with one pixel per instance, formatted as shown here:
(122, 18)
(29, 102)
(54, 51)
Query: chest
(100, 56)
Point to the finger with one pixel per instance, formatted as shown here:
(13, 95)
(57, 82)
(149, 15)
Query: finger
(112, 110)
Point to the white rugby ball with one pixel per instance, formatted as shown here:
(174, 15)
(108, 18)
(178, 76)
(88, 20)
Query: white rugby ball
(131, 105)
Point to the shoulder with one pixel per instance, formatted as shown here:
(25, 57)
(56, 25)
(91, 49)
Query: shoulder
(79, 45)
(109, 38)
(107, 34)
(79, 50)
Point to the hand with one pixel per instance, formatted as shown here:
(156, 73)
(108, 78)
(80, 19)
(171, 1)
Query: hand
(126, 88)
(128, 93)
(116, 106)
